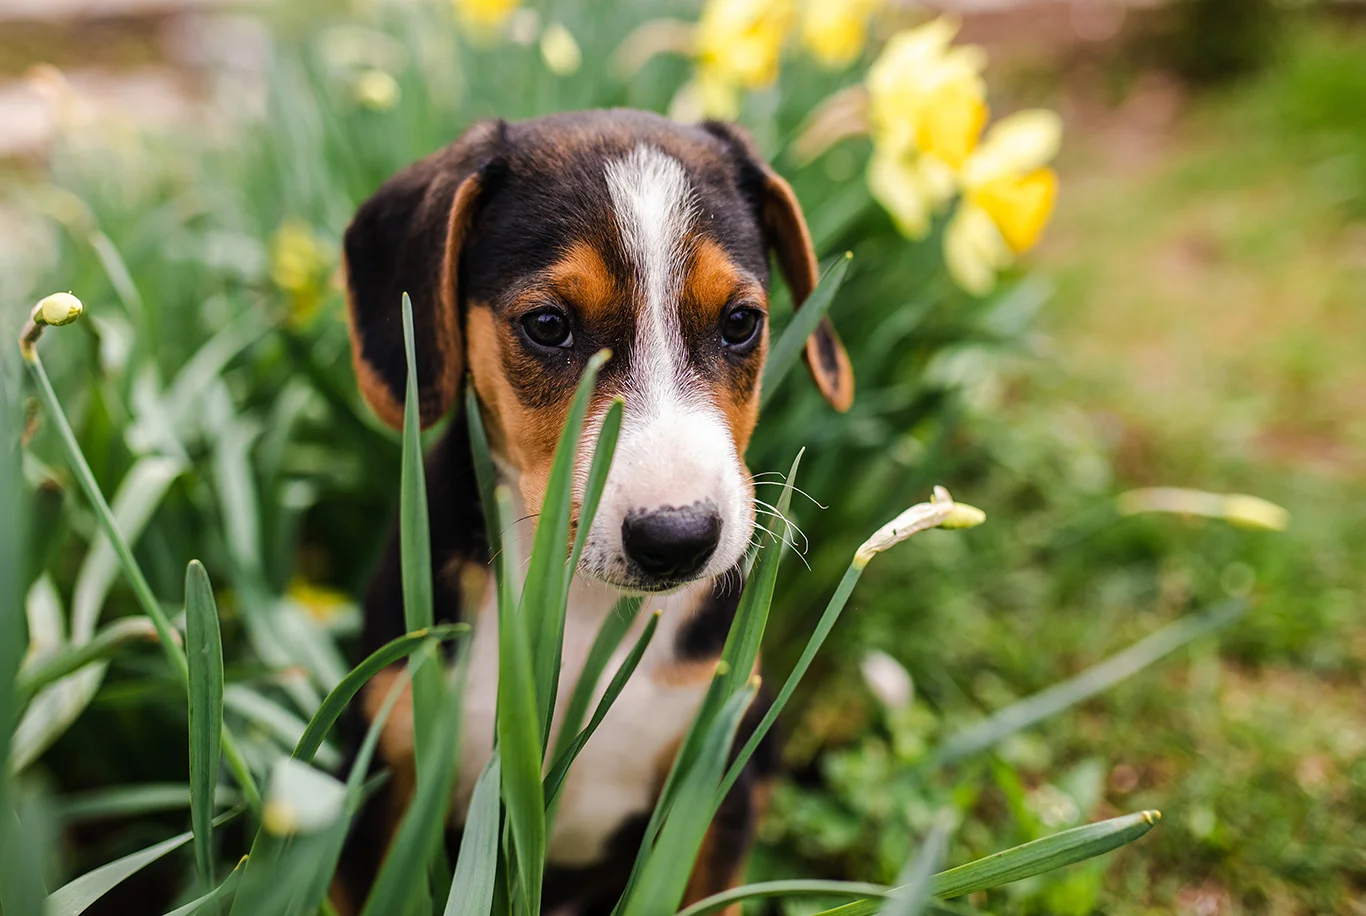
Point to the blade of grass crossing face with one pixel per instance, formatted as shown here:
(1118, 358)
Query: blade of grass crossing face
(914, 881)
(788, 348)
(1090, 682)
(610, 634)
(603, 451)
(77, 895)
(415, 538)
(560, 770)
(335, 702)
(204, 651)
(546, 585)
(519, 737)
(484, 472)
(476, 867)
(421, 830)
(664, 877)
(214, 898)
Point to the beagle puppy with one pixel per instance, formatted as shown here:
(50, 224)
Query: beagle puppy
(526, 248)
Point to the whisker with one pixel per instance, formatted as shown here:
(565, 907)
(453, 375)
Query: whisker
(778, 483)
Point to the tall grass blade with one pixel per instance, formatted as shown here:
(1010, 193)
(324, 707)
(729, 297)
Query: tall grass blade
(485, 474)
(913, 892)
(611, 632)
(204, 651)
(13, 566)
(519, 736)
(415, 539)
(1093, 680)
(215, 898)
(546, 586)
(664, 877)
(27, 837)
(788, 348)
(133, 801)
(335, 702)
(76, 896)
(476, 868)
(421, 831)
(603, 451)
(105, 645)
(555, 778)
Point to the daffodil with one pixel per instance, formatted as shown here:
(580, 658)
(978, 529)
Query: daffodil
(1008, 197)
(560, 51)
(299, 265)
(738, 45)
(485, 15)
(835, 31)
(324, 605)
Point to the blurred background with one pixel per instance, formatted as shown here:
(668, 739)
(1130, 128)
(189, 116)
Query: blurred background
(1193, 317)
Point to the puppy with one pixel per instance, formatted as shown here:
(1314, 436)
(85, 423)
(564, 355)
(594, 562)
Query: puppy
(526, 248)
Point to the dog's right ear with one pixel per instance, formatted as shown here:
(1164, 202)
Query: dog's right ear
(408, 238)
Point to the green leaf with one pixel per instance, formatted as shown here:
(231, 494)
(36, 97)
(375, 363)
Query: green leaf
(603, 451)
(335, 702)
(611, 632)
(664, 877)
(28, 837)
(105, 645)
(421, 830)
(1093, 680)
(14, 546)
(208, 902)
(785, 352)
(486, 475)
(476, 868)
(546, 587)
(519, 735)
(555, 779)
(1026, 861)
(133, 801)
(204, 651)
(913, 891)
(270, 717)
(799, 887)
(415, 538)
(76, 896)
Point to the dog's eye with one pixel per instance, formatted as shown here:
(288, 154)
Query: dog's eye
(741, 326)
(549, 328)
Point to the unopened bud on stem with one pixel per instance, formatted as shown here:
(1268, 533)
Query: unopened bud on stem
(52, 311)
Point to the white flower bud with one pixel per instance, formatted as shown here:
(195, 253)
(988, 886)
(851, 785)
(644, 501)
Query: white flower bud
(59, 309)
(889, 681)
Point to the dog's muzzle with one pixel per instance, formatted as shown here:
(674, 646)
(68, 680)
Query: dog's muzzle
(671, 544)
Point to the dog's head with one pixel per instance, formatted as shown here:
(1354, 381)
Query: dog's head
(528, 247)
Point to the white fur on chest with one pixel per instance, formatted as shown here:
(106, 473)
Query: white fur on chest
(616, 774)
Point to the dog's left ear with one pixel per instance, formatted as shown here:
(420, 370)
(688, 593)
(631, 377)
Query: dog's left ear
(408, 237)
(785, 230)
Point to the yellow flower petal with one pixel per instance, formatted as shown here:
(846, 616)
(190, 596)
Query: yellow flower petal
(742, 40)
(560, 51)
(952, 122)
(1020, 207)
(909, 188)
(485, 14)
(974, 250)
(1015, 145)
(835, 31)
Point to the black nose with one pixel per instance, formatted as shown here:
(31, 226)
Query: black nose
(672, 543)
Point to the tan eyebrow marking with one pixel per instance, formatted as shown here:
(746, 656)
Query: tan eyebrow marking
(581, 277)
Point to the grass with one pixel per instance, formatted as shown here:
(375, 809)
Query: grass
(1201, 331)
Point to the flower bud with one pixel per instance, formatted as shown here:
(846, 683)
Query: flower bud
(560, 51)
(59, 309)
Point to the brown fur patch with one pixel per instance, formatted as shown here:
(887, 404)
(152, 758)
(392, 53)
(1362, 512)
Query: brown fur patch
(581, 278)
(683, 673)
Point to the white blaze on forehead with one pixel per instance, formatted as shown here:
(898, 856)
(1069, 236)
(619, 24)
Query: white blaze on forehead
(654, 207)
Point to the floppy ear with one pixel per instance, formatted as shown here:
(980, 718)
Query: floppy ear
(785, 231)
(407, 238)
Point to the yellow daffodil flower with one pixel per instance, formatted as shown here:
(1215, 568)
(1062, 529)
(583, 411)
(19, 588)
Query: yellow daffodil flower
(741, 41)
(485, 15)
(299, 264)
(835, 31)
(322, 604)
(560, 51)
(1008, 198)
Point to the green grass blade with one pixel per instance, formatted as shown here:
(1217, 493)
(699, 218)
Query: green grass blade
(664, 877)
(335, 702)
(799, 887)
(610, 634)
(785, 352)
(519, 736)
(415, 538)
(14, 545)
(1044, 855)
(105, 645)
(421, 830)
(546, 586)
(204, 651)
(603, 451)
(76, 896)
(1094, 680)
(555, 779)
(209, 902)
(476, 868)
(485, 474)
(27, 839)
(813, 645)
(133, 801)
(913, 891)
(1028, 860)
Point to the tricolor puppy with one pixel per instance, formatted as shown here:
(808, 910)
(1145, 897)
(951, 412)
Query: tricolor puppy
(526, 249)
